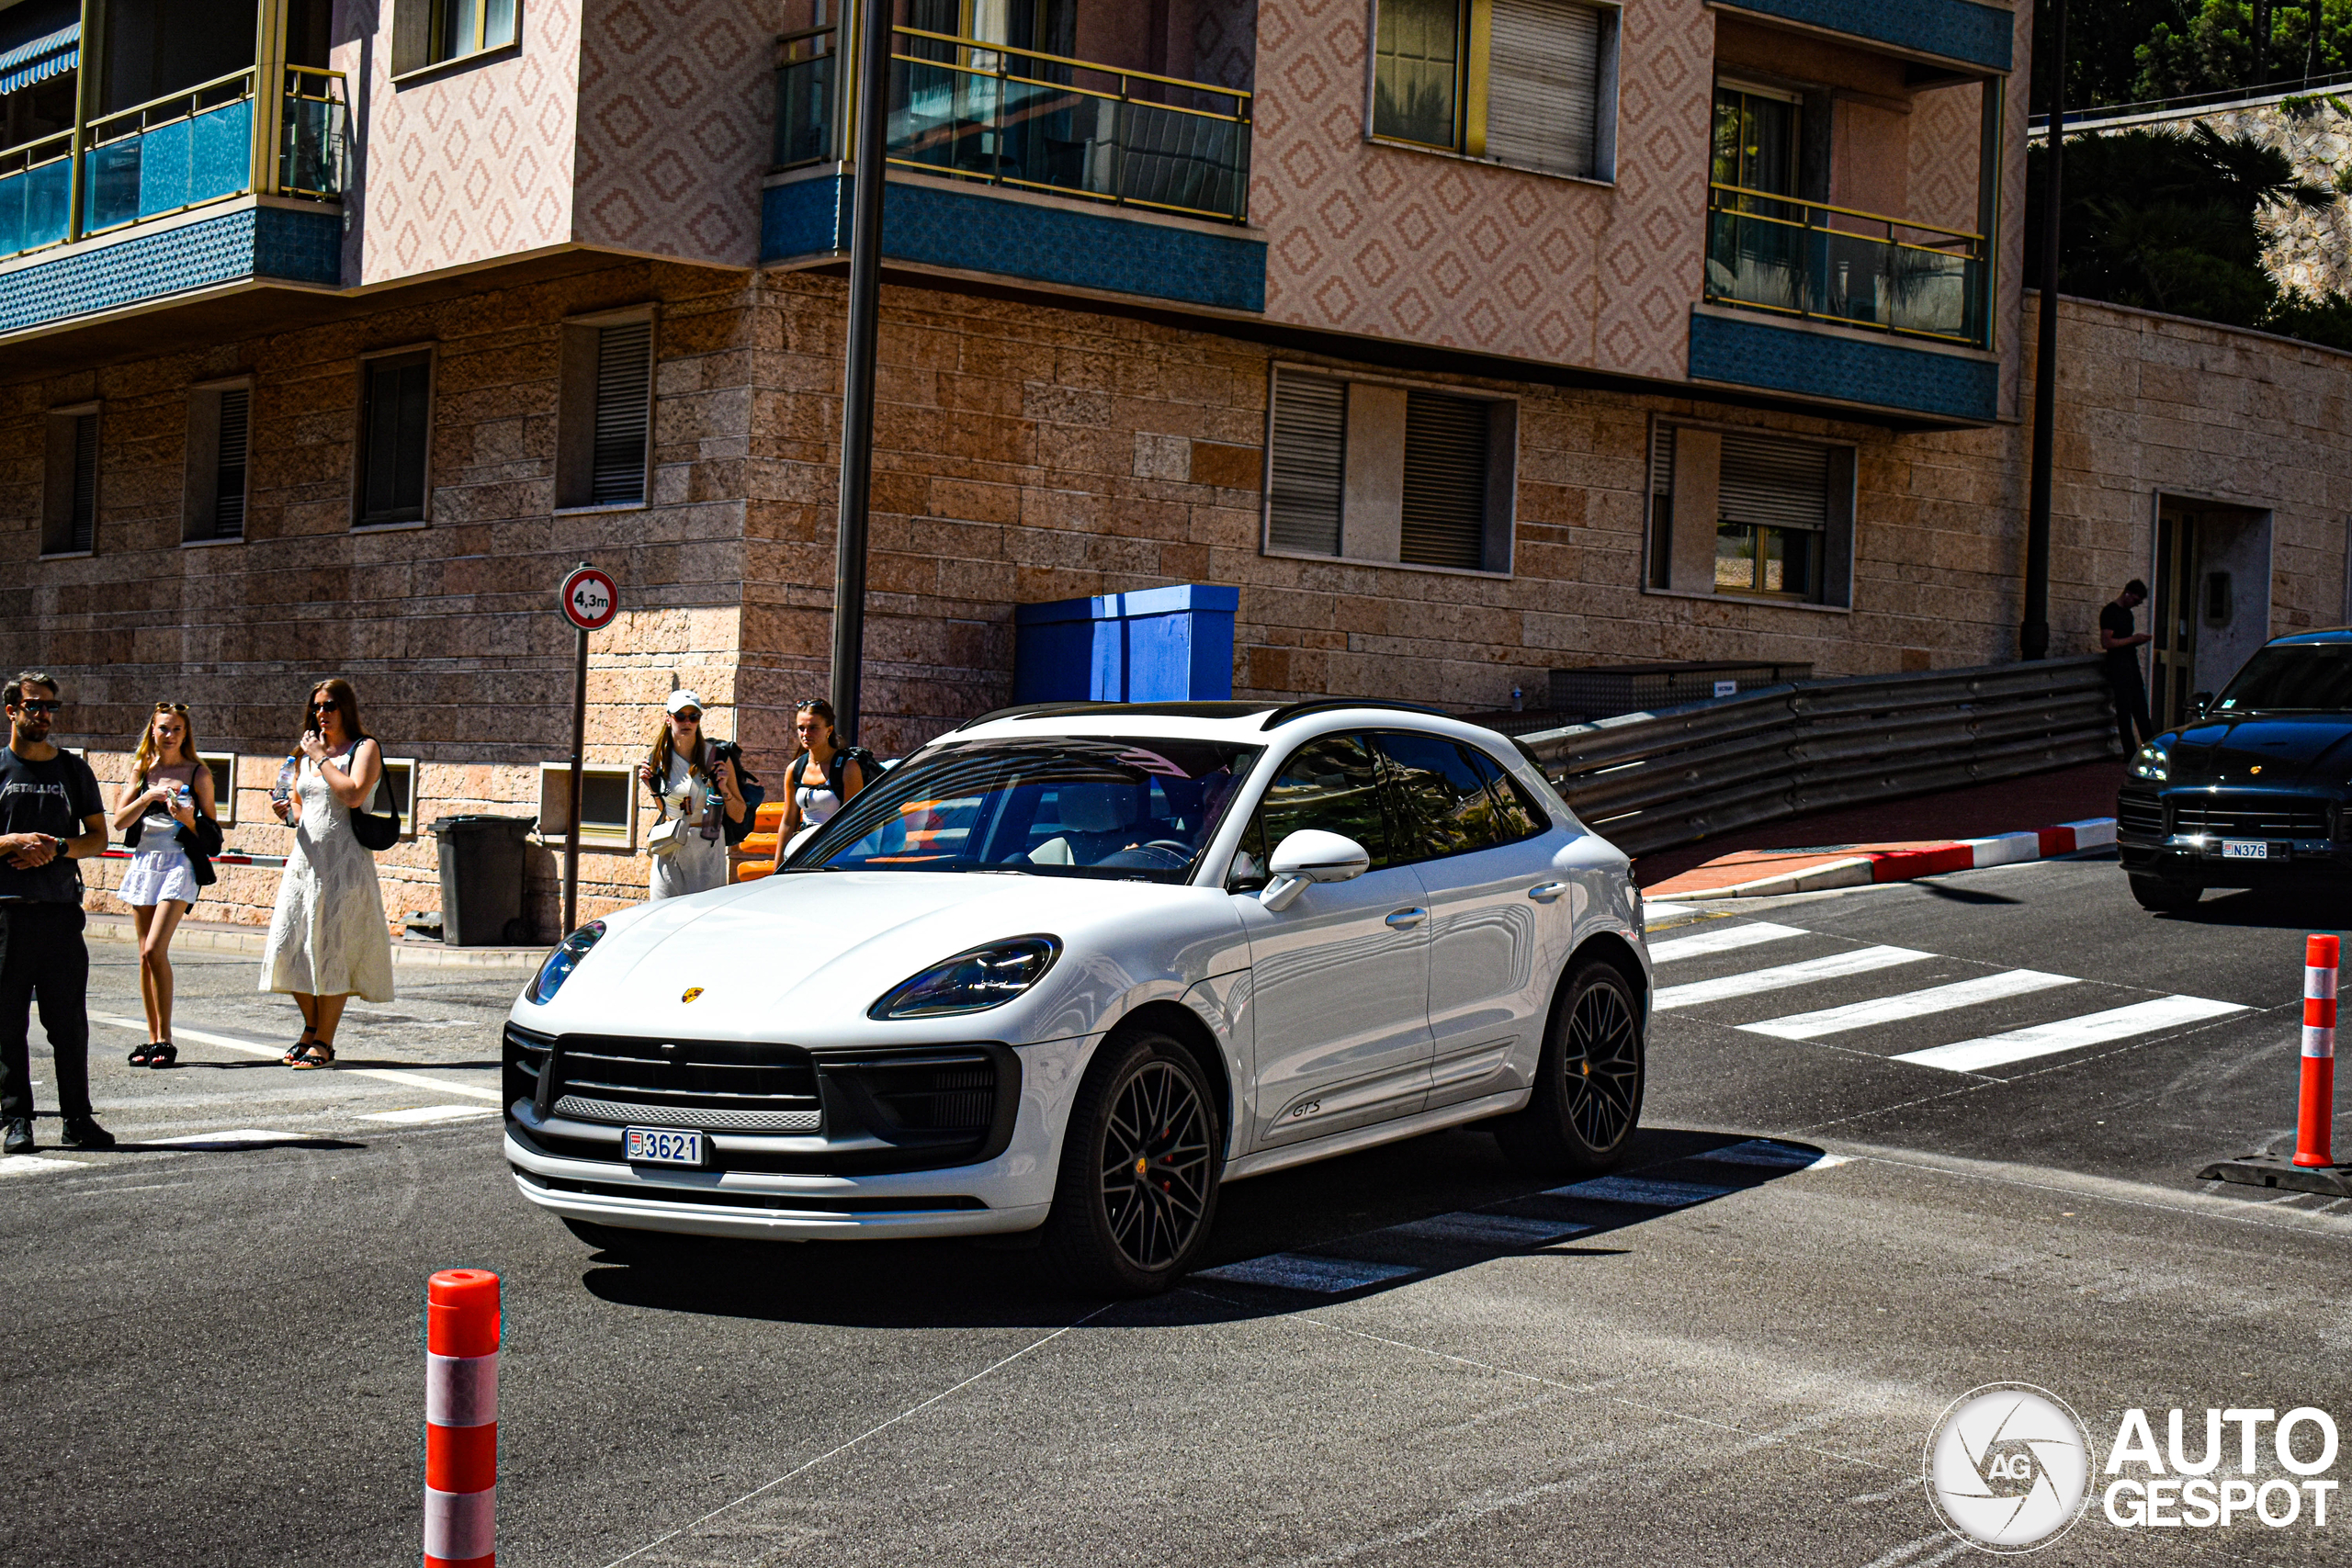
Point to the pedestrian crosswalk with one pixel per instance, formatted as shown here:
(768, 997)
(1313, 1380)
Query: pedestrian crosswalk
(1899, 1016)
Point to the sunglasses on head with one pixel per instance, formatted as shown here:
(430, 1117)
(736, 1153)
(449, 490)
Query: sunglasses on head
(171, 708)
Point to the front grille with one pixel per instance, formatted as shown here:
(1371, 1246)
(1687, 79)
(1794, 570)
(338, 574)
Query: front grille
(2251, 816)
(580, 1108)
(684, 1077)
(2141, 816)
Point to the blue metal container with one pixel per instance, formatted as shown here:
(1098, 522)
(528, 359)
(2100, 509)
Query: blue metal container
(1162, 645)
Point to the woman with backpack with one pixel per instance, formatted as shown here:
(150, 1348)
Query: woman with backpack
(328, 940)
(824, 777)
(165, 815)
(697, 786)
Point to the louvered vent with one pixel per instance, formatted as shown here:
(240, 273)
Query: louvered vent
(1310, 457)
(1445, 481)
(1776, 484)
(1543, 84)
(1662, 460)
(82, 521)
(1662, 506)
(229, 469)
(624, 382)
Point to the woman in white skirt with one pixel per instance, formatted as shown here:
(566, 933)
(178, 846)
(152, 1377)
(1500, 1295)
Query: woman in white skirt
(690, 847)
(328, 940)
(158, 810)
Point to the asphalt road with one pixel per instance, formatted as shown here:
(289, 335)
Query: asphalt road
(214, 1352)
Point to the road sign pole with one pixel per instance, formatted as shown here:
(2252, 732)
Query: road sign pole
(579, 757)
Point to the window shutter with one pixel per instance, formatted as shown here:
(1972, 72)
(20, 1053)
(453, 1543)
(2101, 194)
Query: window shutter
(398, 428)
(1445, 481)
(229, 466)
(1543, 84)
(83, 519)
(1775, 484)
(623, 385)
(1311, 459)
(1662, 460)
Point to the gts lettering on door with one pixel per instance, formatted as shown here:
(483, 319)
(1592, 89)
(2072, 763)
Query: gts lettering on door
(1300, 1113)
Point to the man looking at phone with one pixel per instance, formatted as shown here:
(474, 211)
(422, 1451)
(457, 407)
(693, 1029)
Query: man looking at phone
(51, 816)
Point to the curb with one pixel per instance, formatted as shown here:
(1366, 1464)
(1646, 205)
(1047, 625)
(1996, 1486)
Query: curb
(116, 928)
(1871, 866)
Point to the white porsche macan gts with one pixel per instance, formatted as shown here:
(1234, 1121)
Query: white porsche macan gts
(1071, 967)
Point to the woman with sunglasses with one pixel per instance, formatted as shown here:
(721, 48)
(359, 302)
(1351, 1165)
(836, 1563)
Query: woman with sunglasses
(692, 780)
(164, 812)
(328, 940)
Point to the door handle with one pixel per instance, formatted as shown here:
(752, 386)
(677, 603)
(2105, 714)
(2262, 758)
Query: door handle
(1544, 892)
(1406, 920)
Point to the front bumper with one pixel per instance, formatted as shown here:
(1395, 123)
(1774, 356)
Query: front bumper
(2178, 833)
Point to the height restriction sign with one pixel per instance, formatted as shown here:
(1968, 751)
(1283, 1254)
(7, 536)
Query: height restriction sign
(589, 599)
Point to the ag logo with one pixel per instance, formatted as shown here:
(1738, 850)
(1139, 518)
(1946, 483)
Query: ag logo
(2007, 1467)
(692, 992)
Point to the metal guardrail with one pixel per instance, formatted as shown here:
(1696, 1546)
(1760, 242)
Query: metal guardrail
(1653, 780)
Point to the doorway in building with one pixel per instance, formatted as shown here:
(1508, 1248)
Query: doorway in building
(2211, 605)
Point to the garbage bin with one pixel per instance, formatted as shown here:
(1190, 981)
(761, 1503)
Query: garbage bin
(481, 880)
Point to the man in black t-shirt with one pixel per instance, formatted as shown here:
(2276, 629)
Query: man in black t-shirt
(2121, 645)
(51, 816)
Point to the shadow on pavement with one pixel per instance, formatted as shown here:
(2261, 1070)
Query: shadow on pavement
(2262, 909)
(1353, 1226)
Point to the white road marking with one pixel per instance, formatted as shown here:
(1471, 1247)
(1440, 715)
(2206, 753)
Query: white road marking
(1727, 940)
(1909, 1004)
(1640, 1189)
(421, 1113)
(254, 1048)
(1488, 1230)
(1298, 1271)
(1667, 911)
(1860, 961)
(33, 1165)
(235, 1138)
(1765, 1155)
(2069, 1033)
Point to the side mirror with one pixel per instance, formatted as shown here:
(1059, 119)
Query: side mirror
(2201, 704)
(1311, 855)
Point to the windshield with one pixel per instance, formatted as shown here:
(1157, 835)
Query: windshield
(1122, 810)
(2313, 677)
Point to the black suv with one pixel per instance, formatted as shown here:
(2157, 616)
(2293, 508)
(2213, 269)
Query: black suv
(2254, 791)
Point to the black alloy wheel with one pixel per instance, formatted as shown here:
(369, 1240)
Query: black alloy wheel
(1587, 1101)
(1139, 1173)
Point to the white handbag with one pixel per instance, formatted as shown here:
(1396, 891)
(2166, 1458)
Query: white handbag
(668, 836)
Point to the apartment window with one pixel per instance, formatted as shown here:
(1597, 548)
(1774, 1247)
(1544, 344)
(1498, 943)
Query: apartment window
(395, 419)
(1751, 514)
(70, 494)
(1528, 83)
(607, 804)
(605, 419)
(222, 766)
(220, 431)
(426, 33)
(1370, 472)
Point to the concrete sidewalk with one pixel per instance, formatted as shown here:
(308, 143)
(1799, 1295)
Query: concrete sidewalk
(226, 936)
(1928, 823)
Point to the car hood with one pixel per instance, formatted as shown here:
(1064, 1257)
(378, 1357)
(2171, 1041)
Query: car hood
(801, 956)
(2304, 751)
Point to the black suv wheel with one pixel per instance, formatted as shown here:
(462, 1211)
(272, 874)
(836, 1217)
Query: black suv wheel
(1587, 1098)
(1141, 1160)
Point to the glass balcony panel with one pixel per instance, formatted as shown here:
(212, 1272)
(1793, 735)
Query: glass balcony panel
(311, 162)
(177, 165)
(35, 206)
(804, 111)
(1806, 259)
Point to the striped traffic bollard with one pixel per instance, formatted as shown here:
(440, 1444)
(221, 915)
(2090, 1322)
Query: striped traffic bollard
(460, 1418)
(2315, 1119)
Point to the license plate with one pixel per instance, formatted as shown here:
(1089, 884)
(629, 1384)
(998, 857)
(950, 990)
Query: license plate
(662, 1146)
(2246, 848)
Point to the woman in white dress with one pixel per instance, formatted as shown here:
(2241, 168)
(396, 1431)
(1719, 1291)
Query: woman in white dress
(328, 940)
(688, 788)
(166, 790)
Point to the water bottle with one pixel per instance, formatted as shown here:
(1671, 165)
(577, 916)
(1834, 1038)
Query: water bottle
(712, 806)
(288, 772)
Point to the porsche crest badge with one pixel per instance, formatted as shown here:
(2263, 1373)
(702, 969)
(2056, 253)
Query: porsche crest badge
(692, 992)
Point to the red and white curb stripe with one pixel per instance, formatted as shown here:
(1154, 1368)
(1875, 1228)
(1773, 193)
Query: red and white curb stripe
(1868, 866)
(461, 1324)
(227, 857)
(2315, 1115)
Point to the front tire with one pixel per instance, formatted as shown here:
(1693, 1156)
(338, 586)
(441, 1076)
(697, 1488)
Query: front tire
(1588, 1081)
(1141, 1160)
(2162, 895)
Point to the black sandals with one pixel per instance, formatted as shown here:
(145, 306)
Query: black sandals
(145, 1054)
(319, 1055)
(163, 1053)
(293, 1058)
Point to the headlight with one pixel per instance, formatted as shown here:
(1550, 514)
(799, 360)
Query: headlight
(563, 960)
(971, 981)
(2149, 762)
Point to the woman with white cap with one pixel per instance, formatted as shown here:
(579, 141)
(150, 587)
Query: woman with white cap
(692, 782)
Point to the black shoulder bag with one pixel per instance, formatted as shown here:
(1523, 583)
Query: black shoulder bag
(375, 831)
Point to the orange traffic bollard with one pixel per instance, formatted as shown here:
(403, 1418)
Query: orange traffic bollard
(2316, 1117)
(461, 1326)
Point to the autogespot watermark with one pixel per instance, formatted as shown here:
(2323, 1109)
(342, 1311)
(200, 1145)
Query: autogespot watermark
(2009, 1467)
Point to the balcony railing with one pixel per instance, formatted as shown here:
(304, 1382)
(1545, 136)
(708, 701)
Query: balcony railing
(1767, 252)
(180, 151)
(989, 112)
